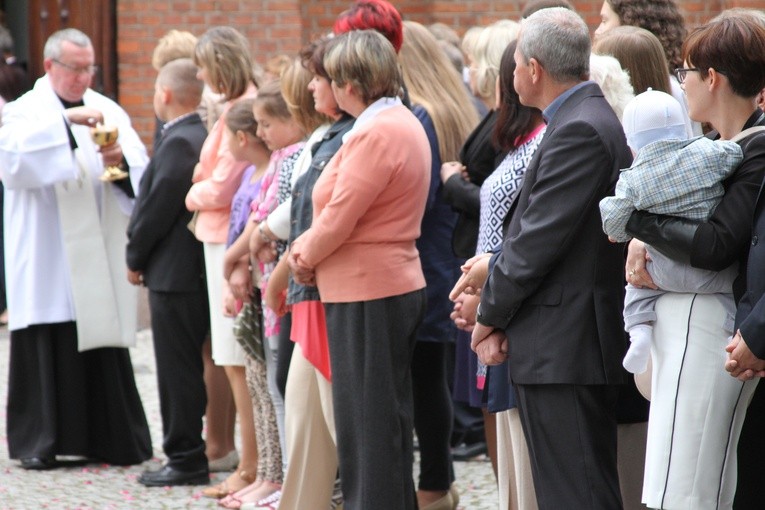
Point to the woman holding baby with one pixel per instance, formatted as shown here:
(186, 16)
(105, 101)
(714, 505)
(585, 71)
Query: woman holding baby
(697, 408)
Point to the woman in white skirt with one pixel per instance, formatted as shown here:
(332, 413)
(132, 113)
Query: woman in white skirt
(225, 65)
(697, 408)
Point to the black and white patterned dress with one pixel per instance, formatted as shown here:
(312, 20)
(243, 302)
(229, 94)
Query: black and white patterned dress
(499, 190)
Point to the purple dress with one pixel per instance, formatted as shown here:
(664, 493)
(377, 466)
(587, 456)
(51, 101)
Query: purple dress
(240, 204)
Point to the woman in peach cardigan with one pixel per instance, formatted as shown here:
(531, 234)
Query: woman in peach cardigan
(360, 250)
(225, 65)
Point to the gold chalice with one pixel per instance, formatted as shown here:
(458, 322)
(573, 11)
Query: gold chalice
(104, 135)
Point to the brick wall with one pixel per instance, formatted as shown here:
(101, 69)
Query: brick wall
(283, 26)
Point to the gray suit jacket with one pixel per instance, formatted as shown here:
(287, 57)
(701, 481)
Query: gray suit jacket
(557, 288)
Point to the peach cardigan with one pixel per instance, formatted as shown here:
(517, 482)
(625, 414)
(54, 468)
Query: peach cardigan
(368, 205)
(216, 180)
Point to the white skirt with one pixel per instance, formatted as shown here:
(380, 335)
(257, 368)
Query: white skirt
(226, 351)
(697, 408)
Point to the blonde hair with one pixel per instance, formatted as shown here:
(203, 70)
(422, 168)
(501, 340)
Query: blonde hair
(448, 104)
(271, 100)
(366, 60)
(240, 117)
(225, 54)
(487, 54)
(614, 81)
(469, 41)
(443, 32)
(640, 54)
(173, 45)
(295, 80)
(276, 65)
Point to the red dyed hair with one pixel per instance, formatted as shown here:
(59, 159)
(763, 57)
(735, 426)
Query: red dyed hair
(376, 15)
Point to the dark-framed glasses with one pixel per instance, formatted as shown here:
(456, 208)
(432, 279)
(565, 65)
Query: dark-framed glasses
(91, 70)
(681, 72)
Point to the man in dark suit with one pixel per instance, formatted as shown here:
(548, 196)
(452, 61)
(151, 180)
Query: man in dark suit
(164, 255)
(552, 304)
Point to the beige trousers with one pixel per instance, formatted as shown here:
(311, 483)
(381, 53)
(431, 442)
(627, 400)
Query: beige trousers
(310, 436)
(516, 486)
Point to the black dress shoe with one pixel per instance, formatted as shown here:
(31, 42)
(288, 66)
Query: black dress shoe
(168, 475)
(39, 463)
(466, 451)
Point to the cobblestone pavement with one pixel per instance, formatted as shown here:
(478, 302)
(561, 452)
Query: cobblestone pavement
(96, 486)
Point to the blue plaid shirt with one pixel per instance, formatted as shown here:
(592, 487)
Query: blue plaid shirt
(676, 177)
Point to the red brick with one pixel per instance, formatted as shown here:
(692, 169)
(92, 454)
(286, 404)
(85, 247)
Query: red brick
(283, 26)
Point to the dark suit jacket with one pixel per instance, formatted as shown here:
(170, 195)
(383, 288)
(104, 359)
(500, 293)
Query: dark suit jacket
(557, 288)
(159, 241)
(750, 315)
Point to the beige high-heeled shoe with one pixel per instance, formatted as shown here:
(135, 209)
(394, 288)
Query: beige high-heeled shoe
(445, 503)
(225, 488)
(455, 495)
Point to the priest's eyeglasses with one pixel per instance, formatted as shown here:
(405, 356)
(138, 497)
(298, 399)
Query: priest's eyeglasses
(91, 70)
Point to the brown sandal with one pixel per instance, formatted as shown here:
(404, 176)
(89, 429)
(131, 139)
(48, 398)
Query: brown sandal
(225, 488)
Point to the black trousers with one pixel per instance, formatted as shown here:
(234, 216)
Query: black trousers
(179, 323)
(370, 347)
(750, 487)
(433, 415)
(65, 402)
(571, 434)
(284, 353)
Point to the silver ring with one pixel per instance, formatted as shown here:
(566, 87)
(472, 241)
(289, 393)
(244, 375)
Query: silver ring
(632, 272)
(91, 120)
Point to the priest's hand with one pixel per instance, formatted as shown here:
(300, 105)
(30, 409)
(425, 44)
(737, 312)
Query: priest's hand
(112, 154)
(84, 115)
(135, 277)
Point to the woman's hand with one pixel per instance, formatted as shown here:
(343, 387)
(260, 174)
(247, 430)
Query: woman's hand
(276, 301)
(475, 271)
(230, 308)
(450, 168)
(634, 270)
(301, 273)
(230, 260)
(275, 293)
(261, 248)
(240, 282)
(464, 312)
(742, 363)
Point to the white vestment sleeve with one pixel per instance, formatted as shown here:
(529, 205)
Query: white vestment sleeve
(34, 152)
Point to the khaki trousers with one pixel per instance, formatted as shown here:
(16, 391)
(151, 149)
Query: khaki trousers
(310, 436)
(516, 485)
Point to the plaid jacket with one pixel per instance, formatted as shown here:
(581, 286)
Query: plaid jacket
(675, 177)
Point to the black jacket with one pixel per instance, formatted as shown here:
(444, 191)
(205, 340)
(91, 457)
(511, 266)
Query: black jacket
(159, 241)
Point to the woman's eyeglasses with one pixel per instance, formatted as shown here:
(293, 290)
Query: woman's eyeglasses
(681, 72)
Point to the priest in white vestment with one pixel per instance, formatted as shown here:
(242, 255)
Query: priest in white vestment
(71, 387)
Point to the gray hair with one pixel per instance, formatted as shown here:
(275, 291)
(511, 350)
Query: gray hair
(72, 35)
(559, 40)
